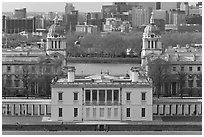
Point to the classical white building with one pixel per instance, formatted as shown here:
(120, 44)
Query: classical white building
(102, 97)
(151, 42)
(56, 40)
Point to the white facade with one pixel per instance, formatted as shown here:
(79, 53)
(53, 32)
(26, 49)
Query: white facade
(56, 40)
(151, 43)
(110, 99)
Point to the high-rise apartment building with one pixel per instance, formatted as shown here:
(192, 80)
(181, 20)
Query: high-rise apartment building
(71, 21)
(140, 16)
(161, 14)
(15, 25)
(20, 13)
(69, 8)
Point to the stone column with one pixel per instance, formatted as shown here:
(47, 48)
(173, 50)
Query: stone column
(19, 109)
(166, 109)
(170, 109)
(97, 96)
(45, 109)
(38, 110)
(199, 109)
(112, 97)
(185, 109)
(32, 111)
(179, 109)
(160, 109)
(105, 97)
(25, 107)
(173, 109)
(191, 109)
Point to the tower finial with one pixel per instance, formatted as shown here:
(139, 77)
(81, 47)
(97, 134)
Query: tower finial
(152, 18)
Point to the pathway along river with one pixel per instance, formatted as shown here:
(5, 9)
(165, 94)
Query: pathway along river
(96, 68)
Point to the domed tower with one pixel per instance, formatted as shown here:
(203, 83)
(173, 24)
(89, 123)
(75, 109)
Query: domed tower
(151, 41)
(56, 41)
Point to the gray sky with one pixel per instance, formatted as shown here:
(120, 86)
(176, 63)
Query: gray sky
(52, 6)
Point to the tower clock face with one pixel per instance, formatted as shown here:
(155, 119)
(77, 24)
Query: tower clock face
(55, 35)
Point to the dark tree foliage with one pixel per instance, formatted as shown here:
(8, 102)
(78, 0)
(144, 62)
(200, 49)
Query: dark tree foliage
(158, 73)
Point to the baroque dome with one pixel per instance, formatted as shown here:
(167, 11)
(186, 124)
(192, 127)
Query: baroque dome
(152, 28)
(55, 29)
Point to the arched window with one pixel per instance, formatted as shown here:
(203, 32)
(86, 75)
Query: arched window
(52, 44)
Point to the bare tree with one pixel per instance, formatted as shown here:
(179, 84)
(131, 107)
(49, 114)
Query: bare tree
(158, 73)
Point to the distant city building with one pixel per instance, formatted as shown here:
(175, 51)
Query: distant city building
(20, 13)
(51, 15)
(97, 22)
(40, 22)
(161, 14)
(195, 10)
(93, 15)
(140, 16)
(160, 23)
(112, 24)
(102, 97)
(71, 20)
(14, 25)
(184, 27)
(170, 5)
(69, 8)
(108, 11)
(177, 17)
(86, 28)
(123, 7)
(146, 5)
(184, 7)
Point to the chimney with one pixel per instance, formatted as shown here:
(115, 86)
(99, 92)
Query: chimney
(134, 75)
(70, 73)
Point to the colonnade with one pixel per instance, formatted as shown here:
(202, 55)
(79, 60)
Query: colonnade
(171, 109)
(25, 109)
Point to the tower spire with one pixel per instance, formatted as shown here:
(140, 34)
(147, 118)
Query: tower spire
(56, 18)
(152, 18)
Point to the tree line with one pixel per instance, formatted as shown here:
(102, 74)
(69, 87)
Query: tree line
(111, 45)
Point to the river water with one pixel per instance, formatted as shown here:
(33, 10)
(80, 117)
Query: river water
(96, 68)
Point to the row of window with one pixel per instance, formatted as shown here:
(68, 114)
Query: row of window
(102, 97)
(102, 112)
(152, 45)
(75, 112)
(128, 112)
(189, 69)
(143, 96)
(33, 69)
(59, 42)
